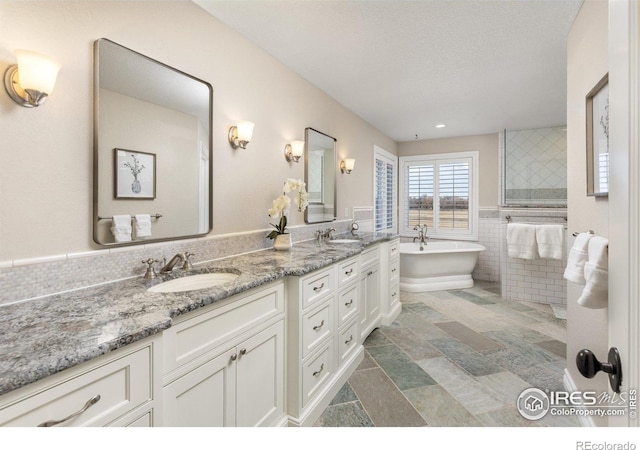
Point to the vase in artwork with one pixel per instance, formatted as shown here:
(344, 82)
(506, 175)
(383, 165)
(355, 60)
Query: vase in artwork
(282, 242)
(135, 186)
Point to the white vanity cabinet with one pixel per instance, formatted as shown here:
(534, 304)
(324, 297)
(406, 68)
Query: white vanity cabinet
(116, 389)
(224, 365)
(323, 348)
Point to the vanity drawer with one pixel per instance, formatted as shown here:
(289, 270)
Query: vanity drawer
(348, 341)
(198, 333)
(316, 326)
(117, 387)
(316, 286)
(370, 257)
(348, 304)
(394, 249)
(394, 270)
(315, 372)
(394, 294)
(348, 271)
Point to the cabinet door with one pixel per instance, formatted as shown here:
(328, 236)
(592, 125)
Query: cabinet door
(203, 397)
(260, 378)
(373, 295)
(370, 304)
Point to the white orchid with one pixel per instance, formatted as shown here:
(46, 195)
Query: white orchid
(282, 203)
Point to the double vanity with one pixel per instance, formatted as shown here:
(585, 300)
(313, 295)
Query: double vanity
(267, 340)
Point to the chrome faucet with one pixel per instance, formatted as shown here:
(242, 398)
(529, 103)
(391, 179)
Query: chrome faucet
(327, 233)
(178, 257)
(422, 235)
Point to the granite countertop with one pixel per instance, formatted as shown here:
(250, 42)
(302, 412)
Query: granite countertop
(44, 336)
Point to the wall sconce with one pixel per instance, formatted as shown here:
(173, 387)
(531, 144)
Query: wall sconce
(293, 151)
(346, 165)
(240, 134)
(31, 81)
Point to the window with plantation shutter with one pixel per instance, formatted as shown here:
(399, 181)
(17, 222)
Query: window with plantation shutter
(385, 188)
(439, 191)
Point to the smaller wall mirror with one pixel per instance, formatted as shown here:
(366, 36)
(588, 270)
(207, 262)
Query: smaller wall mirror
(320, 176)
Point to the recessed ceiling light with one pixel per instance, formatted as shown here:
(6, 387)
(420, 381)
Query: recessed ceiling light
(440, 125)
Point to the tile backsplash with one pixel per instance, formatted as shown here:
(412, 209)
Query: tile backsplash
(27, 279)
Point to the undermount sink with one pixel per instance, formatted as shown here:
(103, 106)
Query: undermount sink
(343, 241)
(194, 282)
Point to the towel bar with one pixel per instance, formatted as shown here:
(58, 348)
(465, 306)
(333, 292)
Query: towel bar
(155, 216)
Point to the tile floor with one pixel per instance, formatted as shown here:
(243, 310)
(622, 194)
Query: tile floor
(454, 358)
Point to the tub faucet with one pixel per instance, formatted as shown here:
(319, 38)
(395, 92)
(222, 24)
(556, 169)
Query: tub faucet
(422, 235)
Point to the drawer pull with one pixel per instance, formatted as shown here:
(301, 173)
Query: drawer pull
(394, 294)
(349, 272)
(92, 401)
(243, 351)
(234, 357)
(394, 269)
(317, 327)
(348, 341)
(370, 273)
(317, 372)
(349, 303)
(317, 288)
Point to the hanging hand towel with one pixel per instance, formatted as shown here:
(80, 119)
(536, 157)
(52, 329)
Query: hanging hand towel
(550, 239)
(121, 228)
(578, 255)
(521, 241)
(143, 226)
(596, 274)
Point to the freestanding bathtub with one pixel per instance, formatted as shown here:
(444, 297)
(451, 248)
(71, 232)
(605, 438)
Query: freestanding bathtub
(441, 265)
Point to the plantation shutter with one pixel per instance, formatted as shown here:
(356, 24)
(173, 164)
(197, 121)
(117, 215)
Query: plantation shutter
(419, 201)
(453, 195)
(384, 191)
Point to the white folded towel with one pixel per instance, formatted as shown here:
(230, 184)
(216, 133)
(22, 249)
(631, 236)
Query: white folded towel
(578, 255)
(121, 228)
(596, 274)
(521, 241)
(143, 226)
(550, 239)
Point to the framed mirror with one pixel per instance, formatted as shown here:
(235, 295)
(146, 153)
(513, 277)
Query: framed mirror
(320, 176)
(597, 109)
(152, 149)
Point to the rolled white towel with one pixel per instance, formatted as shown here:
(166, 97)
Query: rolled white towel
(596, 273)
(143, 226)
(521, 241)
(550, 239)
(121, 228)
(578, 255)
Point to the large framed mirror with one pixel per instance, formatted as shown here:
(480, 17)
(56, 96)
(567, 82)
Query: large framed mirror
(320, 176)
(152, 149)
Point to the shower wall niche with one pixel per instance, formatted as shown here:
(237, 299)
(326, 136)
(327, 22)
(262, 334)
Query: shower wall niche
(535, 167)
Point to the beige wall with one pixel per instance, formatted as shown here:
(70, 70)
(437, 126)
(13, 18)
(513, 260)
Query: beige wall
(587, 64)
(486, 145)
(46, 156)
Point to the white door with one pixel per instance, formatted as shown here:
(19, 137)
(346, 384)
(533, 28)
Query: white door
(624, 196)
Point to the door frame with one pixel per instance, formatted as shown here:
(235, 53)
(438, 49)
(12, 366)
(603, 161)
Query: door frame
(624, 194)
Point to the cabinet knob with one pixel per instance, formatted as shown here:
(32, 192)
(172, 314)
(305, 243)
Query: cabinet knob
(234, 357)
(243, 351)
